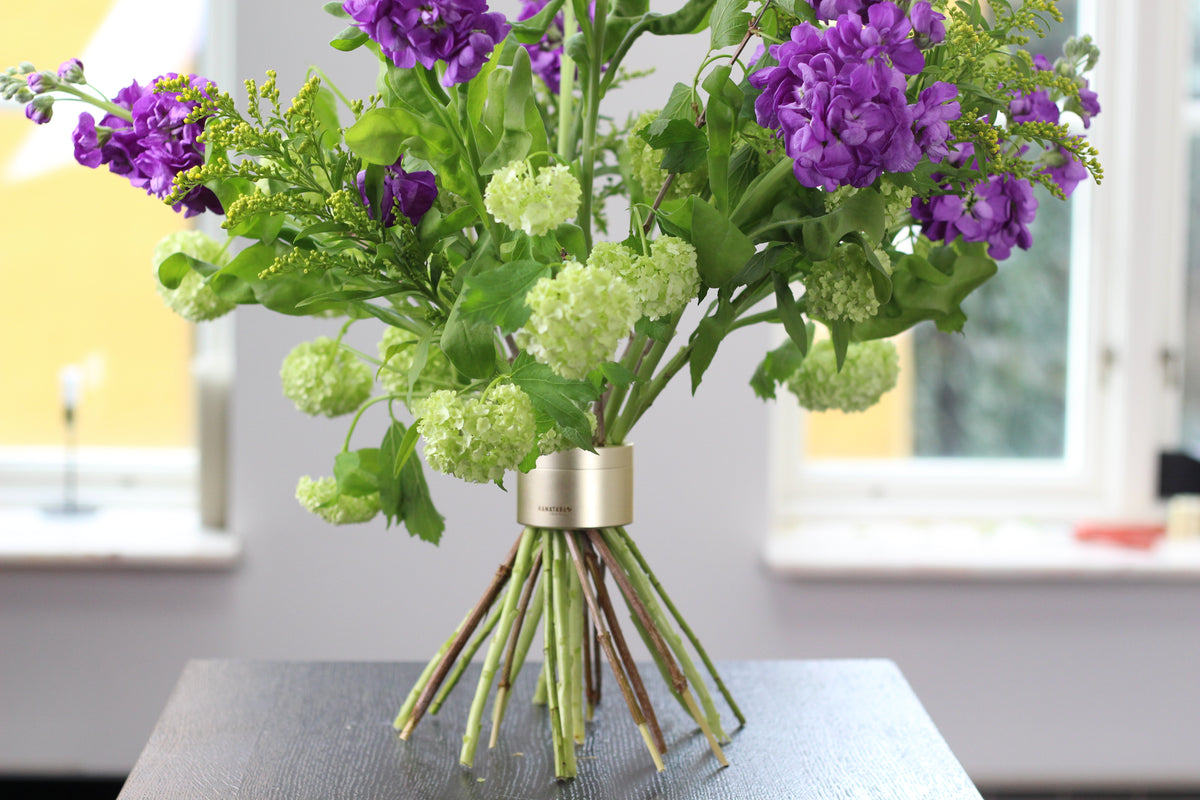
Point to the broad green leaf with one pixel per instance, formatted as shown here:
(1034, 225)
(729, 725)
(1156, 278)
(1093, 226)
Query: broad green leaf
(335, 9)
(516, 139)
(350, 38)
(789, 313)
(357, 472)
(531, 31)
(862, 211)
(404, 496)
(778, 365)
(839, 333)
(728, 24)
(175, 267)
(470, 346)
(381, 135)
(557, 397)
(719, 128)
(658, 329)
(616, 374)
(404, 450)
(497, 296)
(684, 145)
(721, 249)
(705, 340)
(763, 194)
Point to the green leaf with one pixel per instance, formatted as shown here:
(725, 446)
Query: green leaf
(350, 38)
(839, 333)
(789, 313)
(863, 211)
(657, 329)
(721, 249)
(720, 115)
(175, 267)
(497, 296)
(334, 8)
(531, 31)
(616, 374)
(776, 367)
(763, 194)
(685, 146)
(381, 135)
(557, 397)
(705, 340)
(357, 472)
(470, 346)
(404, 451)
(516, 139)
(728, 23)
(404, 495)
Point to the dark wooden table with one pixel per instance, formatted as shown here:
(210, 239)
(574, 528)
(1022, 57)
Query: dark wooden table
(252, 730)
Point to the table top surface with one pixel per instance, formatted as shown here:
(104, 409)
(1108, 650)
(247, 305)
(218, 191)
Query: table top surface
(262, 730)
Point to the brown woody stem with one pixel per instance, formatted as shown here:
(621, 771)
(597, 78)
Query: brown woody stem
(613, 660)
(460, 639)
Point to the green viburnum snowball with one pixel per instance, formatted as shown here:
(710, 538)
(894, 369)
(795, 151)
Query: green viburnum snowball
(322, 378)
(840, 288)
(577, 319)
(322, 497)
(534, 205)
(644, 161)
(667, 280)
(477, 439)
(193, 299)
(871, 368)
(394, 374)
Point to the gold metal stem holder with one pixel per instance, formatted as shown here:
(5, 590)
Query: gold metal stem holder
(575, 489)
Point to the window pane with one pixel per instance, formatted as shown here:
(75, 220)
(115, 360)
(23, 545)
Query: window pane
(78, 244)
(999, 390)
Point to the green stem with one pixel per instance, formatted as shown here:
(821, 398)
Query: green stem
(550, 651)
(105, 105)
(463, 661)
(592, 97)
(491, 661)
(633, 351)
(411, 701)
(616, 543)
(683, 625)
(575, 646)
(562, 641)
(566, 90)
(358, 415)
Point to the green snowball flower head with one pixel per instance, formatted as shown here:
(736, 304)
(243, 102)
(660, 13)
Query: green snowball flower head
(477, 439)
(668, 280)
(323, 379)
(193, 299)
(402, 345)
(577, 318)
(323, 498)
(871, 368)
(532, 204)
(840, 288)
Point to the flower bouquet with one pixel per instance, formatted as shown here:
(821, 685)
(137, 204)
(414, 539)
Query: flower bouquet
(857, 166)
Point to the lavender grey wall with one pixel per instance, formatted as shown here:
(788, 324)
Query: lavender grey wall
(1031, 682)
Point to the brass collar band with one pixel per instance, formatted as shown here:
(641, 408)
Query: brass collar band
(576, 489)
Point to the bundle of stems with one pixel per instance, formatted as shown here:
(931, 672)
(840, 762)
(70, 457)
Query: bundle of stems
(558, 578)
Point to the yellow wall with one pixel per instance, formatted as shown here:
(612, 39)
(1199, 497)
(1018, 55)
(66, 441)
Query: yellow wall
(75, 277)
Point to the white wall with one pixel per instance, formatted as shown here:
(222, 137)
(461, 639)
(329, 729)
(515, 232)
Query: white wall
(1031, 682)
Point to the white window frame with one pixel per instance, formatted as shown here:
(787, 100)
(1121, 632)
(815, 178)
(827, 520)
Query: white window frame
(152, 506)
(1126, 326)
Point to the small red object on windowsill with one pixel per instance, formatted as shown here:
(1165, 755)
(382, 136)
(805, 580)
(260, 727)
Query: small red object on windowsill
(1139, 536)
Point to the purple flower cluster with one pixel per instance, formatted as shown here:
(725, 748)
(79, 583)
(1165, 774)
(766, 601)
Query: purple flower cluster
(545, 56)
(838, 96)
(461, 33)
(414, 192)
(152, 149)
(997, 211)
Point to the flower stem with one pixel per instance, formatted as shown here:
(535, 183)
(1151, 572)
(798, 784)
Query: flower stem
(460, 638)
(475, 717)
(426, 674)
(461, 666)
(510, 657)
(564, 656)
(682, 623)
(550, 650)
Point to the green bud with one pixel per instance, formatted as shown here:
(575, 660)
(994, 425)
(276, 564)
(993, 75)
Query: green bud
(25, 68)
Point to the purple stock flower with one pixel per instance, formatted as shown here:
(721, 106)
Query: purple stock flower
(413, 192)
(1034, 107)
(460, 33)
(998, 211)
(832, 9)
(41, 82)
(1064, 169)
(838, 100)
(152, 149)
(927, 25)
(40, 109)
(71, 71)
(1088, 106)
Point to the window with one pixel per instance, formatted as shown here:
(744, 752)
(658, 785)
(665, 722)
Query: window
(1062, 417)
(83, 326)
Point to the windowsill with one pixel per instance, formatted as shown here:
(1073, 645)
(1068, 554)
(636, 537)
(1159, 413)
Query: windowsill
(153, 538)
(971, 550)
